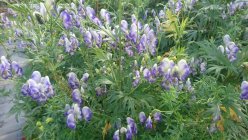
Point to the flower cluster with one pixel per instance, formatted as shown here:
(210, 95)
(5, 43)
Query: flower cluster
(230, 48)
(37, 87)
(244, 91)
(235, 6)
(6, 68)
(74, 82)
(130, 131)
(157, 117)
(172, 74)
(75, 112)
(70, 44)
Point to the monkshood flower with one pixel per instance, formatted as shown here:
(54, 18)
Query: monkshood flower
(179, 6)
(73, 80)
(142, 117)
(39, 88)
(5, 68)
(231, 48)
(129, 134)
(18, 70)
(149, 123)
(67, 19)
(75, 113)
(157, 116)
(76, 96)
(87, 113)
(184, 69)
(190, 3)
(116, 135)
(71, 123)
(132, 125)
(85, 77)
(244, 91)
(136, 78)
(92, 16)
(88, 39)
(105, 16)
(71, 44)
(203, 67)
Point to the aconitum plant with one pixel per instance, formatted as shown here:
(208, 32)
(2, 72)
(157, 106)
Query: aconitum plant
(244, 90)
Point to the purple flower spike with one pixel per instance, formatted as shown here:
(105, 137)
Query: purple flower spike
(116, 135)
(71, 123)
(34, 89)
(157, 117)
(184, 69)
(18, 70)
(87, 113)
(76, 96)
(142, 117)
(149, 123)
(146, 73)
(244, 91)
(132, 124)
(73, 80)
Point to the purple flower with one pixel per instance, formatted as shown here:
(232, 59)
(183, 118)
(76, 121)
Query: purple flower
(88, 39)
(129, 133)
(151, 42)
(96, 37)
(18, 70)
(134, 19)
(137, 78)
(36, 76)
(87, 113)
(124, 26)
(129, 50)
(76, 96)
(90, 12)
(203, 67)
(67, 19)
(5, 68)
(105, 15)
(34, 89)
(157, 117)
(85, 77)
(73, 80)
(71, 123)
(142, 117)
(227, 39)
(116, 135)
(132, 125)
(244, 91)
(149, 123)
(179, 6)
(184, 69)
(133, 34)
(47, 86)
(24, 89)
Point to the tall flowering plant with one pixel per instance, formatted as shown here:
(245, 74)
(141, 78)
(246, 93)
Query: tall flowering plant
(106, 76)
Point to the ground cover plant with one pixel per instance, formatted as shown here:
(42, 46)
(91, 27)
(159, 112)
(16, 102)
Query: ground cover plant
(174, 69)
